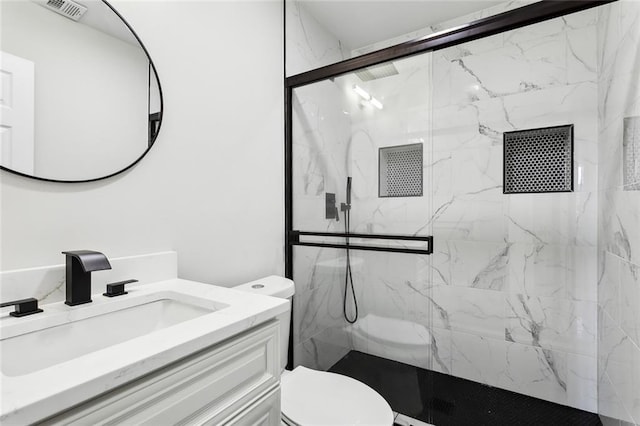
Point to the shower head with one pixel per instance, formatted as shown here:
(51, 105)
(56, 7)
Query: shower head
(376, 72)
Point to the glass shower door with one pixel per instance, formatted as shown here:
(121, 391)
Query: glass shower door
(365, 137)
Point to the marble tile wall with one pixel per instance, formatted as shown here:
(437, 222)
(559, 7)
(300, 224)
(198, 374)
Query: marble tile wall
(618, 40)
(308, 44)
(510, 296)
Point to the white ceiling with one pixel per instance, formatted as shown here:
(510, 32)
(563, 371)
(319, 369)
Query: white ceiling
(359, 23)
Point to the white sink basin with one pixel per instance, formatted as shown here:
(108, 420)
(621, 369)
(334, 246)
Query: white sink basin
(73, 339)
(67, 355)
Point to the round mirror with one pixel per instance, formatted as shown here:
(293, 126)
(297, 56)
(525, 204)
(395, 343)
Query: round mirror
(80, 99)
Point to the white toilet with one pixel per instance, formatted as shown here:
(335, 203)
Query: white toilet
(318, 398)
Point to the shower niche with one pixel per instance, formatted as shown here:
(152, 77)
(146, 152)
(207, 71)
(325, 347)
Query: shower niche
(400, 171)
(538, 160)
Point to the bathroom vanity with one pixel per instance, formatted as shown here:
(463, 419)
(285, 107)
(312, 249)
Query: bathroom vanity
(171, 352)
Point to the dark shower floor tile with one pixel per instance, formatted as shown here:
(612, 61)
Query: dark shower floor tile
(444, 400)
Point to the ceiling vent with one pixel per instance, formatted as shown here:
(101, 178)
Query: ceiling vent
(68, 8)
(377, 71)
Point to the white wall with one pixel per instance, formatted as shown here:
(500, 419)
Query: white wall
(211, 188)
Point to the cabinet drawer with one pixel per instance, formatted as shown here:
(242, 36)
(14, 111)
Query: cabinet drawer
(264, 412)
(211, 384)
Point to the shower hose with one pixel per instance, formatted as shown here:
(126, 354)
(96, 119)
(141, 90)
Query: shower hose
(348, 277)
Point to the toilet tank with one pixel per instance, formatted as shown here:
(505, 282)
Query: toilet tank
(281, 287)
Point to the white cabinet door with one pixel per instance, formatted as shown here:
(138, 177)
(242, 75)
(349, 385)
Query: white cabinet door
(17, 104)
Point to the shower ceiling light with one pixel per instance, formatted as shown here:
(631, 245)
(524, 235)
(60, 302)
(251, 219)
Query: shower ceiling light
(376, 103)
(367, 97)
(363, 93)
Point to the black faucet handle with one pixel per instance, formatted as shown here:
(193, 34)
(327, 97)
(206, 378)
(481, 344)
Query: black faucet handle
(117, 288)
(23, 307)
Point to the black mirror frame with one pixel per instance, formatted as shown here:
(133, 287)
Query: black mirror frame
(151, 140)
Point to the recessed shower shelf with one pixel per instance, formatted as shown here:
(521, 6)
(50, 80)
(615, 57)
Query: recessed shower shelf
(294, 239)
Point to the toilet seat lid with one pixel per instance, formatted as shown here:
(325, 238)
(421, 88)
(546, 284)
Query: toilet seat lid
(311, 397)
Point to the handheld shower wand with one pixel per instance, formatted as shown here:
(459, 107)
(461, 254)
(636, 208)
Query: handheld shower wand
(348, 278)
(345, 207)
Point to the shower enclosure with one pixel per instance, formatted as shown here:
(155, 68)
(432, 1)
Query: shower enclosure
(472, 246)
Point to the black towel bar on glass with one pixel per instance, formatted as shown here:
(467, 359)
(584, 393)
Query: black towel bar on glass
(294, 239)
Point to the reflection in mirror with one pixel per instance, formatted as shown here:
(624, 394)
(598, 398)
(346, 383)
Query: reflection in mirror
(320, 33)
(79, 96)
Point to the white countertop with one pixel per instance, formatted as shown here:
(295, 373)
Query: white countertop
(30, 397)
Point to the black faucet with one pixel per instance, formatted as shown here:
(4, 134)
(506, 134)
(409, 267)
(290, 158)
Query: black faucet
(80, 264)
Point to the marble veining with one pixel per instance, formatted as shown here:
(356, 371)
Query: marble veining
(560, 324)
(479, 265)
(542, 371)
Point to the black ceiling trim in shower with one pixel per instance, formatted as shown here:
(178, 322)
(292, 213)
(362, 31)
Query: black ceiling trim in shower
(516, 18)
